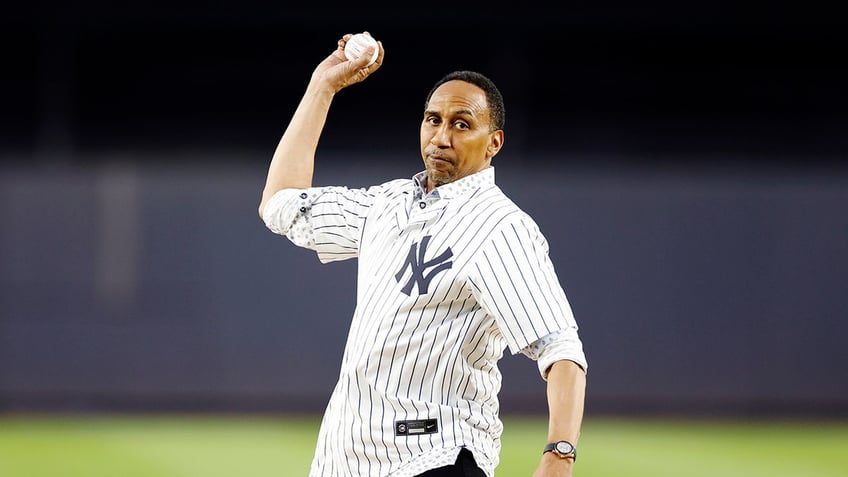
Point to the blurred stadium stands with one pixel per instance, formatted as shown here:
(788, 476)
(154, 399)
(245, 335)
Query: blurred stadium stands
(687, 164)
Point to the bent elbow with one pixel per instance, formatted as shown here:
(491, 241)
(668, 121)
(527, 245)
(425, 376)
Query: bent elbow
(261, 209)
(262, 204)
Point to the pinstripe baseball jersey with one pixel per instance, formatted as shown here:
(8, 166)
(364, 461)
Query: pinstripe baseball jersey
(446, 282)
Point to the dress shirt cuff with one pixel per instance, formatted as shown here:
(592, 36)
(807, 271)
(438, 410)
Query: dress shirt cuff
(283, 208)
(557, 346)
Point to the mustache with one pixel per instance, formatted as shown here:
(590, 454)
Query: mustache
(438, 154)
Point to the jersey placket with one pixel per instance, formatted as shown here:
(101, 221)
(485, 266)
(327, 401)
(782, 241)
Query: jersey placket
(424, 211)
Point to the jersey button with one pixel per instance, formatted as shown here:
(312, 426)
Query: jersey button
(422, 204)
(303, 210)
(303, 195)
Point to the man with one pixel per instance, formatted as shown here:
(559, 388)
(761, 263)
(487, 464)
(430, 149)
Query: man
(450, 273)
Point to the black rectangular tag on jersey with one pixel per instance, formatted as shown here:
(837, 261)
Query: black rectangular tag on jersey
(419, 426)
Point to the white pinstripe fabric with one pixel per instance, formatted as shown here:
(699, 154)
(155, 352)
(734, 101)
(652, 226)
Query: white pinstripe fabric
(427, 355)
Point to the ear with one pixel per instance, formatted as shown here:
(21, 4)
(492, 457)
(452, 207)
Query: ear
(496, 140)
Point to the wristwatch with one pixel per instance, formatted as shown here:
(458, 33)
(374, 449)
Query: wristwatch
(563, 449)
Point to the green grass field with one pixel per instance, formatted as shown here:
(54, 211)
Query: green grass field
(281, 446)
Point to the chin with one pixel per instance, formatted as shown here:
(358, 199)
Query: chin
(437, 178)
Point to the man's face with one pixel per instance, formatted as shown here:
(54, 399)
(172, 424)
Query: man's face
(456, 140)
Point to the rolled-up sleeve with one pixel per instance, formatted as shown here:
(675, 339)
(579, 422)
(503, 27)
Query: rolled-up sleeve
(284, 208)
(327, 220)
(561, 345)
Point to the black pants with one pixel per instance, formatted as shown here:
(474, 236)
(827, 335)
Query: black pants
(465, 466)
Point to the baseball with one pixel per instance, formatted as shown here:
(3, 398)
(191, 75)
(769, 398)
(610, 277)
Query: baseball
(355, 47)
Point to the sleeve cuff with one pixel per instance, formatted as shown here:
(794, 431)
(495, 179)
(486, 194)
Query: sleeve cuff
(283, 208)
(560, 345)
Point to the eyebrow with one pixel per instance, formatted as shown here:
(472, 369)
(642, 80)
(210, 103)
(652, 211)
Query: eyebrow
(459, 112)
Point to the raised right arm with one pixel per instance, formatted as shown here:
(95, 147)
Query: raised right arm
(293, 162)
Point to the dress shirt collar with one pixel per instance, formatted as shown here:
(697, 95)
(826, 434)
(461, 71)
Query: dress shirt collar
(456, 188)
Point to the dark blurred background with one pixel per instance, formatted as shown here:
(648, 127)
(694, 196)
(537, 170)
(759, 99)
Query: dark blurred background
(685, 160)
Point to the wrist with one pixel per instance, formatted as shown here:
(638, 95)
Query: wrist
(562, 449)
(553, 458)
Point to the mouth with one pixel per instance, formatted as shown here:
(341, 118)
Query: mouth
(438, 159)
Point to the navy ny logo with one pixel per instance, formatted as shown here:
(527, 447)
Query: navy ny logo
(415, 260)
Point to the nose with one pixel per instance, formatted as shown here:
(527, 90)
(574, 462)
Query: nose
(441, 137)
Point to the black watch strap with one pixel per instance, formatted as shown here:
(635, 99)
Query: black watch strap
(563, 449)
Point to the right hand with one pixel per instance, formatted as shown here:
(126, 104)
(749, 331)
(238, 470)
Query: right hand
(337, 72)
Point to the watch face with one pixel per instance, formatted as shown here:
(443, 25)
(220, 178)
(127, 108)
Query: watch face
(564, 447)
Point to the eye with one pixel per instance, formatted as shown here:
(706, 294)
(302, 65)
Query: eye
(461, 125)
(432, 120)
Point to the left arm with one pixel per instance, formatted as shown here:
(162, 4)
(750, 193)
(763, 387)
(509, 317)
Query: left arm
(566, 394)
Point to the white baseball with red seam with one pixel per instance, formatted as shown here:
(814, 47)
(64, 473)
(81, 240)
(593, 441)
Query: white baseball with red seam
(355, 47)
